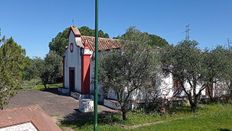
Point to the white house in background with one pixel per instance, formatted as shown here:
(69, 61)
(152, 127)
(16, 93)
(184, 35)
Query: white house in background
(78, 64)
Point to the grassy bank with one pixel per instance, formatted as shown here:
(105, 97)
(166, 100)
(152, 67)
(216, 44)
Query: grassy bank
(208, 117)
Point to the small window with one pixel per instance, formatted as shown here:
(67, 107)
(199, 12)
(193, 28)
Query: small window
(71, 47)
(81, 51)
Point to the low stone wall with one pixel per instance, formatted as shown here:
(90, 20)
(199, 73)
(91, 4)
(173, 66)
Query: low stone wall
(113, 104)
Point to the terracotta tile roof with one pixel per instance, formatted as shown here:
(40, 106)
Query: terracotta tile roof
(104, 43)
(33, 114)
(75, 31)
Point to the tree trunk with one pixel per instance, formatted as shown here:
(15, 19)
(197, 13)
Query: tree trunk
(230, 89)
(192, 102)
(45, 86)
(193, 107)
(210, 91)
(231, 93)
(124, 116)
(195, 102)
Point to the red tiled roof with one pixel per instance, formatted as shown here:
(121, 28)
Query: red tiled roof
(75, 31)
(104, 43)
(33, 114)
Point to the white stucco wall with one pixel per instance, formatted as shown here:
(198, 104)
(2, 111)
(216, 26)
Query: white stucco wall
(73, 59)
(198, 87)
(165, 85)
(138, 94)
(111, 94)
(221, 88)
(100, 92)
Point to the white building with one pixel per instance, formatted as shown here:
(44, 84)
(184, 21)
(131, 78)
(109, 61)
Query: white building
(78, 65)
(78, 62)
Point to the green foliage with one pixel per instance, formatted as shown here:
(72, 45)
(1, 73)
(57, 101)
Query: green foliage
(12, 63)
(33, 69)
(91, 32)
(133, 66)
(134, 34)
(194, 67)
(185, 62)
(52, 69)
(215, 62)
(6, 88)
(226, 68)
(157, 41)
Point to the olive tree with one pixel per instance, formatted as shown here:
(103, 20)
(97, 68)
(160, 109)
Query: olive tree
(130, 68)
(215, 62)
(185, 62)
(227, 70)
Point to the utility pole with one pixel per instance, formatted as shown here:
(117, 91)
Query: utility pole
(187, 32)
(73, 22)
(228, 42)
(96, 70)
(0, 37)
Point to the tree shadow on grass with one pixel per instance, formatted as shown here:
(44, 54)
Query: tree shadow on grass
(79, 119)
(224, 129)
(185, 109)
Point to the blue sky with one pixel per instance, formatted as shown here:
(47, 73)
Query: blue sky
(33, 23)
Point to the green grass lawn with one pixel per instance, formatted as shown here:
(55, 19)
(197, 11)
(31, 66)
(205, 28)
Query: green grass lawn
(216, 117)
(36, 84)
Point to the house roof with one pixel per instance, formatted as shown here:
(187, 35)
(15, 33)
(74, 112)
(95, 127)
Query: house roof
(104, 43)
(75, 31)
(30, 114)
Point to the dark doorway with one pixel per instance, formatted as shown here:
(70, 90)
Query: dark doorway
(72, 78)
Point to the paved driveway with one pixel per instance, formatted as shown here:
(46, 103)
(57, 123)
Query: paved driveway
(51, 103)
